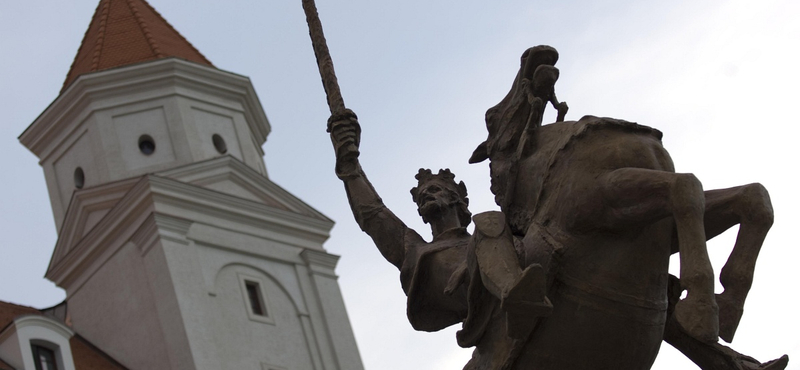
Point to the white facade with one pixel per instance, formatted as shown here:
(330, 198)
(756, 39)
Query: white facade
(98, 122)
(163, 252)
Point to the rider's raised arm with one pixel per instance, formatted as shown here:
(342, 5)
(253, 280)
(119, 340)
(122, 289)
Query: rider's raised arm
(387, 231)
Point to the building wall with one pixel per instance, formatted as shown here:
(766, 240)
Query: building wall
(209, 266)
(127, 309)
(276, 339)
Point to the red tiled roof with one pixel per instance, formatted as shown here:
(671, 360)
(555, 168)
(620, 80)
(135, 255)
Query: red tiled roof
(124, 32)
(10, 311)
(85, 355)
(89, 357)
(5, 366)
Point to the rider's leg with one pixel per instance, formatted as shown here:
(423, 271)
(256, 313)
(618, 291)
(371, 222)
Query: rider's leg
(494, 248)
(750, 207)
(521, 292)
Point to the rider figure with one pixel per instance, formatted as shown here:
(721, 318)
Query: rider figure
(435, 275)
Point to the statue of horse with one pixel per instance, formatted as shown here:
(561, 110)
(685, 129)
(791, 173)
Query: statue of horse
(598, 204)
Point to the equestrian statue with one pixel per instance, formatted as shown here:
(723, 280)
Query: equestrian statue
(572, 272)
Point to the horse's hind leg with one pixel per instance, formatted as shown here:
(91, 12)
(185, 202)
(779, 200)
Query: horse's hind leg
(750, 207)
(635, 196)
(709, 356)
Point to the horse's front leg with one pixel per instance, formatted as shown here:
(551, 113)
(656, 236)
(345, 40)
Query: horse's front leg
(748, 206)
(632, 197)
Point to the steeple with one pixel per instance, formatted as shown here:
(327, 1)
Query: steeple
(175, 249)
(124, 32)
(135, 84)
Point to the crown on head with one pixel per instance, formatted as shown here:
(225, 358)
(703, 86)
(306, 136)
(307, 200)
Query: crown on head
(444, 176)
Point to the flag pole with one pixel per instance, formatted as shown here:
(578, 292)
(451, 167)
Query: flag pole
(324, 62)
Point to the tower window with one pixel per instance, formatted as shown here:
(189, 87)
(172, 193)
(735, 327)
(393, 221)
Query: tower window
(79, 178)
(147, 145)
(219, 144)
(256, 304)
(44, 358)
(255, 298)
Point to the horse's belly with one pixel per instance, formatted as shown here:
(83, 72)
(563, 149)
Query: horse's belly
(592, 333)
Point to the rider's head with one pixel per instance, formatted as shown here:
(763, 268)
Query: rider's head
(544, 79)
(534, 57)
(435, 193)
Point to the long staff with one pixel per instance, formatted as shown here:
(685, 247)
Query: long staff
(324, 62)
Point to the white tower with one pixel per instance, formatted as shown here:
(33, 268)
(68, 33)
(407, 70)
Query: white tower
(175, 249)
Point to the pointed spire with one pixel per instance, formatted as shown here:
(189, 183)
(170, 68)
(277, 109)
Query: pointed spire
(124, 32)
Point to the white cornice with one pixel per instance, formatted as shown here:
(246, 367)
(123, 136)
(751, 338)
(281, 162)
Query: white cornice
(35, 320)
(69, 261)
(44, 322)
(144, 81)
(202, 173)
(84, 202)
(170, 192)
(320, 262)
(154, 195)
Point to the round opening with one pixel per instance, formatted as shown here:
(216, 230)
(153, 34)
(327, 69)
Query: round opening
(79, 178)
(146, 144)
(219, 144)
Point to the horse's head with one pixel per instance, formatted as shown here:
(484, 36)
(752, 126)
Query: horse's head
(506, 121)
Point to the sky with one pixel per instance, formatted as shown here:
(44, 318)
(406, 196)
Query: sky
(719, 78)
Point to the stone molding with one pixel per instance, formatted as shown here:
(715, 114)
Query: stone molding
(159, 78)
(228, 167)
(320, 262)
(164, 199)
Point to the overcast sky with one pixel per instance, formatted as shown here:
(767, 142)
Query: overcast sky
(719, 78)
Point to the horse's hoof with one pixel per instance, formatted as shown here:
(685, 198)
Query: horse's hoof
(730, 313)
(776, 364)
(698, 318)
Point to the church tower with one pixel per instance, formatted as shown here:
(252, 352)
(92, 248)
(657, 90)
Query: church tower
(175, 249)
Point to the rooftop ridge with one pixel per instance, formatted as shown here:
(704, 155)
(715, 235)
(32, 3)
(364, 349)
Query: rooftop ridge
(169, 25)
(124, 32)
(147, 34)
(102, 9)
(188, 43)
(98, 44)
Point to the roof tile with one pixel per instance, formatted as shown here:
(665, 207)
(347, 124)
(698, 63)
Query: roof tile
(5, 366)
(10, 311)
(89, 357)
(124, 32)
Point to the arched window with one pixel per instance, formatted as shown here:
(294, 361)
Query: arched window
(42, 344)
(44, 358)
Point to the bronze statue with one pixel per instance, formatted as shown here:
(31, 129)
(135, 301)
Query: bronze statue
(441, 202)
(573, 273)
(433, 274)
(599, 204)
